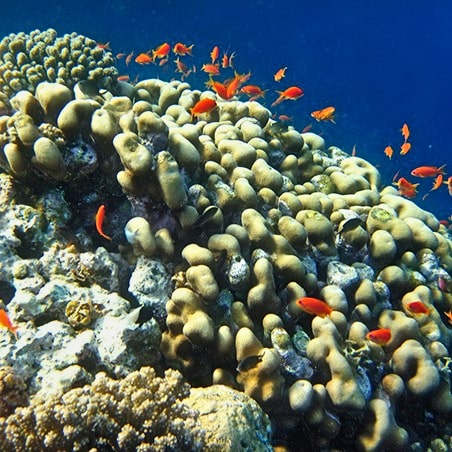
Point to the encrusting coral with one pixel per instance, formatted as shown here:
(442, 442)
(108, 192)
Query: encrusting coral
(248, 215)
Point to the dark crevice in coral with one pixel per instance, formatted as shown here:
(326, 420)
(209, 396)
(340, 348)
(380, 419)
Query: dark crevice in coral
(7, 291)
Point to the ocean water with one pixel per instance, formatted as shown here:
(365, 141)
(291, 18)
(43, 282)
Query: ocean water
(379, 63)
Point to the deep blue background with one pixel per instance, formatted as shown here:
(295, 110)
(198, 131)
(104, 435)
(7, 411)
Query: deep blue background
(380, 63)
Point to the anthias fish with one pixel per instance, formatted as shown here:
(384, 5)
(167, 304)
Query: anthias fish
(314, 306)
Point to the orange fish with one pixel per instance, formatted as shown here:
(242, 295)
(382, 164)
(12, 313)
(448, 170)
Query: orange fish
(314, 306)
(449, 184)
(449, 316)
(226, 61)
(253, 91)
(406, 188)
(428, 171)
(280, 73)
(214, 54)
(6, 322)
(405, 132)
(405, 148)
(291, 93)
(306, 128)
(161, 51)
(325, 114)
(205, 105)
(389, 152)
(123, 78)
(436, 184)
(233, 85)
(100, 216)
(220, 88)
(212, 69)
(182, 49)
(120, 55)
(143, 58)
(417, 307)
(380, 337)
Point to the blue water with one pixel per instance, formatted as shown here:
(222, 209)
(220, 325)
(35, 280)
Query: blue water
(380, 63)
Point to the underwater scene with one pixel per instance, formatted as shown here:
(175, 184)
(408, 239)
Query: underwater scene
(225, 226)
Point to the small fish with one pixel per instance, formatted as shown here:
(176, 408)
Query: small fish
(100, 216)
(253, 91)
(214, 54)
(354, 150)
(291, 93)
(220, 88)
(105, 46)
(325, 114)
(449, 316)
(314, 306)
(144, 58)
(280, 73)
(417, 307)
(120, 55)
(182, 49)
(389, 152)
(123, 78)
(306, 128)
(436, 184)
(129, 58)
(249, 362)
(406, 188)
(405, 132)
(285, 118)
(226, 61)
(161, 51)
(449, 185)
(349, 224)
(381, 336)
(405, 148)
(428, 171)
(212, 69)
(6, 322)
(183, 69)
(205, 105)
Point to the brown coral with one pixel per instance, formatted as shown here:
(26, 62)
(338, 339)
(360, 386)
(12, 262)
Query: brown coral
(140, 412)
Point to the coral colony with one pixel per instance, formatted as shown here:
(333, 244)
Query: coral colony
(156, 237)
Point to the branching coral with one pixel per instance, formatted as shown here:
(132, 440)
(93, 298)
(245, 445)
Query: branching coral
(140, 412)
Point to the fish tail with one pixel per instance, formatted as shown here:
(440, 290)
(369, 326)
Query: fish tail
(441, 169)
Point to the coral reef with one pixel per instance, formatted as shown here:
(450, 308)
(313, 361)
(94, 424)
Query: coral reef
(219, 224)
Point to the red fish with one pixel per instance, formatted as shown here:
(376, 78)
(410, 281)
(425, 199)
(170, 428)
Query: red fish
(405, 132)
(325, 114)
(220, 88)
(405, 148)
(182, 49)
(314, 306)
(291, 93)
(212, 69)
(380, 337)
(417, 307)
(143, 58)
(406, 188)
(6, 322)
(123, 78)
(205, 105)
(161, 51)
(100, 216)
(285, 118)
(214, 54)
(428, 171)
(280, 73)
(389, 152)
(306, 128)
